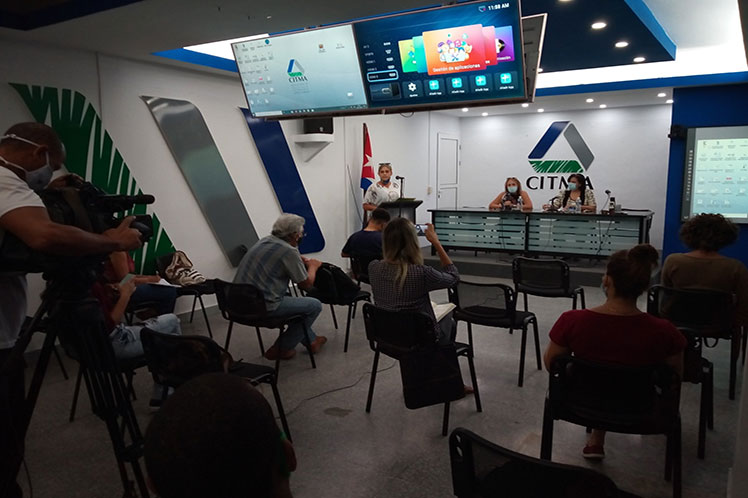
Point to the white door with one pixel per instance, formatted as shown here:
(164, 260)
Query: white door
(447, 170)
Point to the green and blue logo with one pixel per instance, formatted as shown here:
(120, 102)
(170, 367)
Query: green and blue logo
(579, 164)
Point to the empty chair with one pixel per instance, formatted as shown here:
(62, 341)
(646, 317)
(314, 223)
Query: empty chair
(428, 375)
(494, 305)
(710, 313)
(173, 360)
(245, 304)
(545, 278)
(615, 398)
(481, 469)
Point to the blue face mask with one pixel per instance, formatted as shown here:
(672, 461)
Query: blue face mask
(37, 179)
(572, 186)
(386, 181)
(512, 189)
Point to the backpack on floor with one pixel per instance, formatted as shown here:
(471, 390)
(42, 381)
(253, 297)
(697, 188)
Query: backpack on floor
(333, 285)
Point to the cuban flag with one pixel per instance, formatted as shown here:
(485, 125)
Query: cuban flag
(367, 170)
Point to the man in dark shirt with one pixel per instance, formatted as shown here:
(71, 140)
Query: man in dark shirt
(365, 246)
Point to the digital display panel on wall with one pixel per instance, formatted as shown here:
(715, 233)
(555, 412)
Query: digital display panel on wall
(716, 173)
(308, 72)
(451, 55)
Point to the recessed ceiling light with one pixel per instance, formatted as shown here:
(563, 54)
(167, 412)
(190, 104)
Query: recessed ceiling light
(564, 1)
(269, 17)
(662, 94)
(639, 59)
(589, 101)
(541, 110)
(669, 101)
(622, 44)
(540, 69)
(484, 114)
(603, 106)
(525, 105)
(465, 109)
(598, 25)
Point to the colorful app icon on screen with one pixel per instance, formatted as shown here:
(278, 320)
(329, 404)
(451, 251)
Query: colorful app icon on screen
(480, 80)
(433, 84)
(408, 56)
(504, 44)
(420, 51)
(489, 42)
(455, 49)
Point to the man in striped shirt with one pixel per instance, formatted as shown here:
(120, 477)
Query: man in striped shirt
(269, 265)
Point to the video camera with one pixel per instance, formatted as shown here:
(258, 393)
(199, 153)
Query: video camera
(80, 204)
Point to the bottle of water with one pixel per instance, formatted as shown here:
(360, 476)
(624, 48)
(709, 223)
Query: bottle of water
(519, 203)
(578, 205)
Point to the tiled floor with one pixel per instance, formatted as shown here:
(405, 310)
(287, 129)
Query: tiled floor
(393, 451)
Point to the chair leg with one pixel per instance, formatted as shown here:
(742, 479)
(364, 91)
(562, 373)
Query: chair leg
(522, 356)
(474, 380)
(355, 305)
(574, 301)
(309, 347)
(130, 389)
(205, 316)
(537, 342)
(371, 381)
(348, 326)
(259, 339)
(546, 439)
(581, 296)
(470, 334)
(76, 392)
(59, 362)
(734, 353)
(194, 302)
(445, 420)
(678, 463)
(669, 457)
(334, 318)
(703, 416)
(228, 336)
(279, 406)
(710, 384)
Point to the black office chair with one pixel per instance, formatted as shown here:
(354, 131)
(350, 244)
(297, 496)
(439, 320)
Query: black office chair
(334, 296)
(360, 267)
(175, 359)
(494, 305)
(481, 469)
(545, 278)
(710, 313)
(245, 304)
(615, 398)
(428, 376)
(699, 370)
(196, 291)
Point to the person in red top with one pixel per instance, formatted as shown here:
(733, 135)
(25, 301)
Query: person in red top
(617, 331)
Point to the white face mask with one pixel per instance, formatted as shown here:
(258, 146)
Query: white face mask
(38, 178)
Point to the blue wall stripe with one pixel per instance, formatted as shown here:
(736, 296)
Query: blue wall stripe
(547, 139)
(652, 24)
(184, 55)
(284, 176)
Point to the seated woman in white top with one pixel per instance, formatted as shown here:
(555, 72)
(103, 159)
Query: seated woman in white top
(513, 197)
(577, 191)
(384, 190)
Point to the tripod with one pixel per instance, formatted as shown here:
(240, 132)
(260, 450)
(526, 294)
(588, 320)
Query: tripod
(77, 320)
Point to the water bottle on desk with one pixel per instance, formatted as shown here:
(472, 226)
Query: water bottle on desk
(612, 205)
(519, 203)
(578, 206)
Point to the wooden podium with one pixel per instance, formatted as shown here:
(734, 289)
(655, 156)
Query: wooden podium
(404, 208)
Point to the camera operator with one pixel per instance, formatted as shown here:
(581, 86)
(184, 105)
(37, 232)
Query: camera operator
(29, 155)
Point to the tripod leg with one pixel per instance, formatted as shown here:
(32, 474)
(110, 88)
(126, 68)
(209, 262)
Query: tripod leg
(59, 362)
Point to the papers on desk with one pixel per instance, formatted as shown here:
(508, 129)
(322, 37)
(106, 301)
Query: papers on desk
(441, 310)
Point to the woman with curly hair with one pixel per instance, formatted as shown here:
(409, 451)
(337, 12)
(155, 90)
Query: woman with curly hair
(704, 267)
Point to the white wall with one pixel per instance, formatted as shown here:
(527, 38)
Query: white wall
(630, 147)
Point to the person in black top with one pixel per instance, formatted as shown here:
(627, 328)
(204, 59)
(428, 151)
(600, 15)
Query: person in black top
(366, 245)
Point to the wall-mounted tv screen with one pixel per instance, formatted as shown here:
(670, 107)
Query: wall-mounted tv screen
(716, 173)
(452, 55)
(308, 72)
(533, 34)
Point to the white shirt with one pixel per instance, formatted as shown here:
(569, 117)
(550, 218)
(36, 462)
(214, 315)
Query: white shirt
(377, 194)
(14, 194)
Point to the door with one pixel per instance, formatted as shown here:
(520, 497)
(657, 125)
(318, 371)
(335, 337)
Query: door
(447, 170)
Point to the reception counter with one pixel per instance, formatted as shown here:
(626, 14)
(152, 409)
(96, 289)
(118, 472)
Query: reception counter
(538, 232)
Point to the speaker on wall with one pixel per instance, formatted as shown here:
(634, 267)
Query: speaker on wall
(677, 132)
(318, 125)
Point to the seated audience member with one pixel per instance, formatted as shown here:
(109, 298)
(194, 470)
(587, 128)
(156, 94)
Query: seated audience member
(126, 343)
(513, 197)
(163, 297)
(216, 437)
(704, 267)
(366, 244)
(617, 331)
(269, 265)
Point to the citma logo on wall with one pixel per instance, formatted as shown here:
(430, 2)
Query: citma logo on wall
(579, 164)
(295, 71)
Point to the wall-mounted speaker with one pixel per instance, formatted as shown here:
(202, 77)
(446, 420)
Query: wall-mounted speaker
(318, 125)
(678, 132)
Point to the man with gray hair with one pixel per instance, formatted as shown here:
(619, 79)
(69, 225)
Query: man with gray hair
(269, 265)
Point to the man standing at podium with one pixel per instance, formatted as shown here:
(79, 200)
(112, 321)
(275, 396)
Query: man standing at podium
(385, 190)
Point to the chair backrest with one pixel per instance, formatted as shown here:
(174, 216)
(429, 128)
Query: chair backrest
(175, 359)
(481, 469)
(633, 400)
(693, 361)
(709, 312)
(396, 333)
(540, 276)
(333, 286)
(241, 303)
(360, 266)
(488, 300)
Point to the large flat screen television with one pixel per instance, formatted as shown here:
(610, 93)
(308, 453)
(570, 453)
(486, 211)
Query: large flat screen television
(443, 57)
(716, 173)
(302, 73)
(533, 34)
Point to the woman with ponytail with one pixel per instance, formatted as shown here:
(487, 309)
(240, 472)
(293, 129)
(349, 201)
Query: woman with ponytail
(617, 331)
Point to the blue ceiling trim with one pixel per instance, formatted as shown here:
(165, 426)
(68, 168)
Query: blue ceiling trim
(677, 81)
(53, 14)
(184, 55)
(653, 25)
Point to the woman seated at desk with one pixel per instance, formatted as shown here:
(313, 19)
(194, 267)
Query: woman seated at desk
(577, 191)
(513, 197)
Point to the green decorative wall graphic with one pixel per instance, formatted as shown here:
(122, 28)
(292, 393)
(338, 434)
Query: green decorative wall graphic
(80, 128)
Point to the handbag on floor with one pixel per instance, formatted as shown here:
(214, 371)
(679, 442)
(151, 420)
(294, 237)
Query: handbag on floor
(181, 272)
